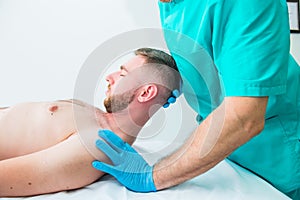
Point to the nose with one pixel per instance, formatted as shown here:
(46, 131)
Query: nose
(111, 78)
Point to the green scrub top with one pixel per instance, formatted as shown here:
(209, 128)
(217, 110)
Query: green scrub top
(241, 48)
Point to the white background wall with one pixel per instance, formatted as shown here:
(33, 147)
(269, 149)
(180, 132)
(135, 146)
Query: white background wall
(295, 46)
(44, 43)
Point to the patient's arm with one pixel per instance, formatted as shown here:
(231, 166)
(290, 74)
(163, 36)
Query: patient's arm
(64, 166)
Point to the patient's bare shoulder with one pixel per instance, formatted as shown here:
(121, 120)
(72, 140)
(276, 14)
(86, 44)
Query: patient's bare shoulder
(71, 164)
(64, 166)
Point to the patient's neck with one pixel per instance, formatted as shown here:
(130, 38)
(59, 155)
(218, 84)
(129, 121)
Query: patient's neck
(120, 124)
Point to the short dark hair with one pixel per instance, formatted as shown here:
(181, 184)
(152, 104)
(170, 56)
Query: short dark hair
(163, 67)
(157, 56)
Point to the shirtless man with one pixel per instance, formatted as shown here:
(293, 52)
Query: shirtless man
(52, 156)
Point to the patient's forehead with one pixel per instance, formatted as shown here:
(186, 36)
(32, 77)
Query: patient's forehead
(134, 62)
(137, 75)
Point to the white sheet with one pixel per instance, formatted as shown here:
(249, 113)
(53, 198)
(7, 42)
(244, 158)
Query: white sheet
(225, 181)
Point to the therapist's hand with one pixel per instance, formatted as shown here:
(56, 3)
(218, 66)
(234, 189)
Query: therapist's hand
(129, 168)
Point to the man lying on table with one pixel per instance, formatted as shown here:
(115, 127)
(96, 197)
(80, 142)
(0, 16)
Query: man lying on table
(41, 150)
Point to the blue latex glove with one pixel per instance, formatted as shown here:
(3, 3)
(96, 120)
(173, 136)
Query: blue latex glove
(129, 168)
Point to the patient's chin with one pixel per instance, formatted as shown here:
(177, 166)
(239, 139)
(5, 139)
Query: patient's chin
(107, 105)
(117, 103)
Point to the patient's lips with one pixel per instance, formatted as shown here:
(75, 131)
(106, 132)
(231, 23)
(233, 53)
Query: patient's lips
(107, 91)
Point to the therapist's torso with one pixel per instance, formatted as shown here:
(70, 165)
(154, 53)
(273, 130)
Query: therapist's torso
(240, 48)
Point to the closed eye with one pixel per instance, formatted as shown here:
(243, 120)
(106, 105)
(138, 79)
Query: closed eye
(124, 71)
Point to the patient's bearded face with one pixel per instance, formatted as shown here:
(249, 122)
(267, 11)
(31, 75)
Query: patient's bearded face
(118, 102)
(123, 85)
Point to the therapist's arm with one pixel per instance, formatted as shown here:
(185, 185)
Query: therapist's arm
(64, 166)
(232, 124)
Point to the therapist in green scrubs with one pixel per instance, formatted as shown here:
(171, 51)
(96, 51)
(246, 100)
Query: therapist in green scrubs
(239, 76)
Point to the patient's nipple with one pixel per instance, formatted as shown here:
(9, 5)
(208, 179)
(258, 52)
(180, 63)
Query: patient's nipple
(53, 108)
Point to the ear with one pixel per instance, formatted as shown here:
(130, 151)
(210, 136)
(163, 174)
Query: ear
(147, 92)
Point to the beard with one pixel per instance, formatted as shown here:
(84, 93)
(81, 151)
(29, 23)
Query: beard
(119, 102)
